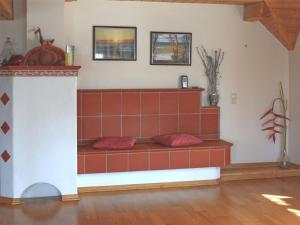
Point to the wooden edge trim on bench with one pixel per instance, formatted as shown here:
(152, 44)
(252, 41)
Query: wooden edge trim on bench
(130, 187)
(10, 201)
(253, 171)
(70, 198)
(251, 165)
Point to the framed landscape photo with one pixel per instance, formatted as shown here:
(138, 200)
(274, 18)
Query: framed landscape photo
(169, 48)
(114, 43)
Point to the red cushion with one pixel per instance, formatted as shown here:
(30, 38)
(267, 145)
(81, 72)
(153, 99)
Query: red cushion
(177, 140)
(115, 143)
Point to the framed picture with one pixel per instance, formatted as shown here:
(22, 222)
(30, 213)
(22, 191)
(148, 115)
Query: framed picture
(169, 48)
(114, 43)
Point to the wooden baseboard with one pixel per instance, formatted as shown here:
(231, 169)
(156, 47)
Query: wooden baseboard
(10, 201)
(17, 201)
(116, 188)
(70, 198)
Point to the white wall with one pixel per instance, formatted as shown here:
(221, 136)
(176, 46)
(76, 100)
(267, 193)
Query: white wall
(49, 16)
(294, 106)
(253, 72)
(15, 29)
(29, 14)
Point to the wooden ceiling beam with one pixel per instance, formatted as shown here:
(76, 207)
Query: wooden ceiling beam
(255, 11)
(280, 17)
(6, 9)
(231, 2)
(279, 22)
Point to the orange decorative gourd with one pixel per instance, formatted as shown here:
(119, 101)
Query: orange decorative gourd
(45, 55)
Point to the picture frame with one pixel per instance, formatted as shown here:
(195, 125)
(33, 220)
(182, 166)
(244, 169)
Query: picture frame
(171, 48)
(115, 43)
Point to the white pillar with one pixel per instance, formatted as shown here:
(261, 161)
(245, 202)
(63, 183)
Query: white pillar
(41, 141)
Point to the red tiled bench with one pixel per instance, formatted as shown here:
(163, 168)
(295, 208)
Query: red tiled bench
(150, 156)
(142, 114)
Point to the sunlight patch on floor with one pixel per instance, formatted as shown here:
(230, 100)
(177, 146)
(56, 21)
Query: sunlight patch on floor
(279, 200)
(295, 211)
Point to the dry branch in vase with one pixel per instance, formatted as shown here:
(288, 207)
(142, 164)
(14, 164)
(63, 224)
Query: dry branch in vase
(212, 63)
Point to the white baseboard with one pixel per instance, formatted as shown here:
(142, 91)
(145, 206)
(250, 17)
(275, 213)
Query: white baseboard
(148, 177)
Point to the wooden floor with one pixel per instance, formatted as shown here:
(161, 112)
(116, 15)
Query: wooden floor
(252, 202)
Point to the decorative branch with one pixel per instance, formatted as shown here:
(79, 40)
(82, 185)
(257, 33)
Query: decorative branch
(277, 124)
(211, 63)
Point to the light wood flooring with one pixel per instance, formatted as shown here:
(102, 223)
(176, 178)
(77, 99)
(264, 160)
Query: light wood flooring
(252, 202)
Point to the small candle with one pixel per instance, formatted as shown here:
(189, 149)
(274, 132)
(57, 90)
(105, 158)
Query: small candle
(69, 58)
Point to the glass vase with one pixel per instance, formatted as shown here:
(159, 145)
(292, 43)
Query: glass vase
(284, 162)
(213, 99)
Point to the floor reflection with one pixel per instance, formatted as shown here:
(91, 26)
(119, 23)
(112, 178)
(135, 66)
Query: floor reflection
(41, 209)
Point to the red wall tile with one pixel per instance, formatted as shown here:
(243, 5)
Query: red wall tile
(95, 163)
(91, 104)
(138, 161)
(131, 104)
(117, 163)
(210, 137)
(111, 104)
(91, 128)
(149, 126)
(79, 128)
(169, 103)
(217, 158)
(199, 159)
(80, 164)
(210, 110)
(228, 156)
(131, 126)
(79, 104)
(210, 124)
(150, 103)
(189, 124)
(168, 124)
(111, 126)
(179, 159)
(159, 160)
(189, 102)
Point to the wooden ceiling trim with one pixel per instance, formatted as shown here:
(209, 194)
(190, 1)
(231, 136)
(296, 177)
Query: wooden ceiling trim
(281, 21)
(231, 2)
(280, 17)
(255, 11)
(6, 9)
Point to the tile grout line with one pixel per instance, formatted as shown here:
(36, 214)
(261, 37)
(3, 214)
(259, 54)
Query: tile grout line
(178, 110)
(121, 125)
(140, 113)
(159, 115)
(101, 117)
(81, 122)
